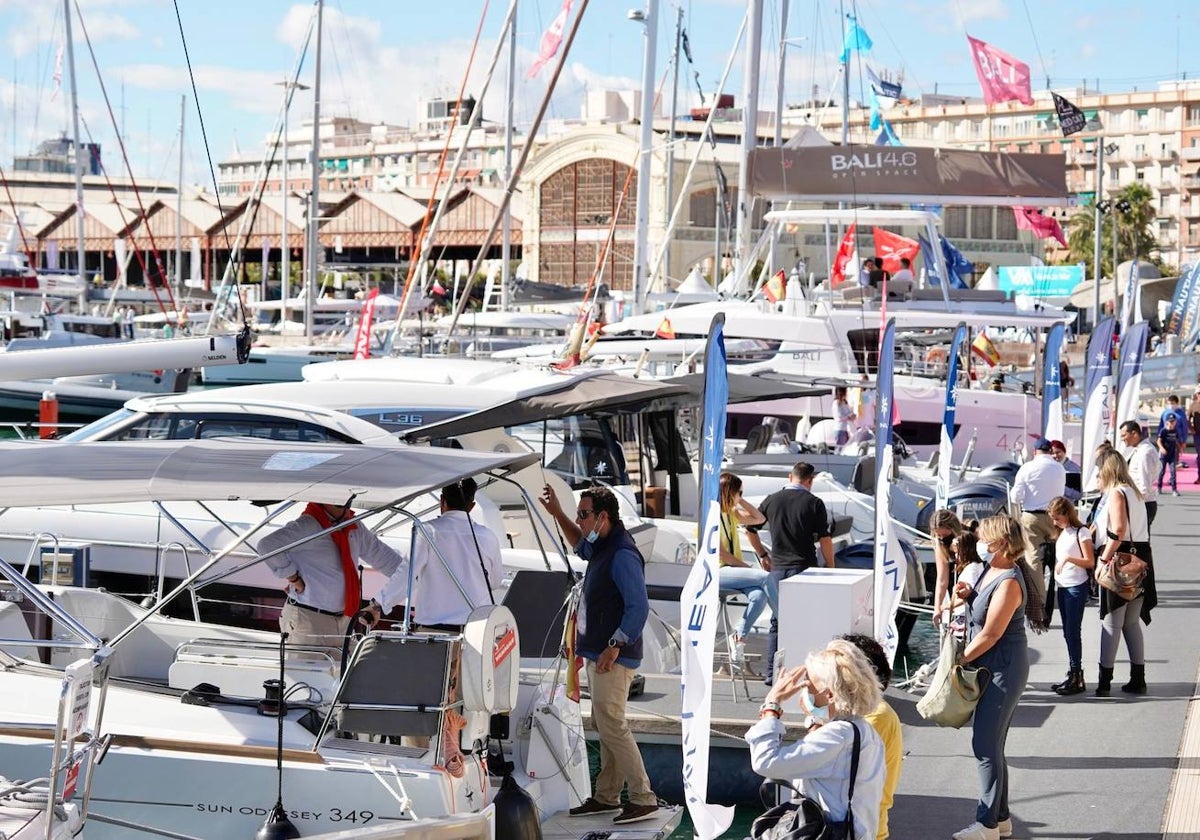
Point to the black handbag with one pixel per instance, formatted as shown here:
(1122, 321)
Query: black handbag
(802, 818)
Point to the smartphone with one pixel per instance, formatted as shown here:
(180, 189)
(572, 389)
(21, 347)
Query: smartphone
(777, 663)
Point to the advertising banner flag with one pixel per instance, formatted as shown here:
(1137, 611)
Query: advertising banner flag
(845, 256)
(891, 247)
(1129, 370)
(1181, 302)
(362, 340)
(698, 603)
(1097, 401)
(1070, 118)
(946, 442)
(1042, 226)
(1052, 407)
(551, 40)
(889, 557)
(1002, 77)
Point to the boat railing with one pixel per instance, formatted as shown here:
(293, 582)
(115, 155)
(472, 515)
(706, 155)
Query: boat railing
(241, 666)
(161, 573)
(34, 547)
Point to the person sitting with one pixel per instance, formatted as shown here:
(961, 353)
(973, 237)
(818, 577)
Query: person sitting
(736, 574)
(837, 690)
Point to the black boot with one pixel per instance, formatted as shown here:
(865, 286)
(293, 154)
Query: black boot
(1074, 684)
(1137, 680)
(1059, 686)
(1104, 683)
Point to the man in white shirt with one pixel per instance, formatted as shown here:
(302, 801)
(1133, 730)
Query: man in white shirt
(1037, 482)
(905, 272)
(447, 587)
(324, 586)
(1144, 464)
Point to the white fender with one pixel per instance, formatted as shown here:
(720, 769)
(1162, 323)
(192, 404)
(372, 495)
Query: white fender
(491, 658)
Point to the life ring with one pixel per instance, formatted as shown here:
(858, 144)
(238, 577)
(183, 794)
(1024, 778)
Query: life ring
(937, 356)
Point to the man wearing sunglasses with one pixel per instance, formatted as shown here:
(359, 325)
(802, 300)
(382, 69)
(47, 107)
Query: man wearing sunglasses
(608, 635)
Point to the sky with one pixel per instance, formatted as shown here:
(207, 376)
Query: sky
(382, 56)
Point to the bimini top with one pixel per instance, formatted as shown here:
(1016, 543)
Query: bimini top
(33, 473)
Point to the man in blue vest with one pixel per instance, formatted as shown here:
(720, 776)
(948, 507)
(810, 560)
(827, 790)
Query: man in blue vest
(608, 635)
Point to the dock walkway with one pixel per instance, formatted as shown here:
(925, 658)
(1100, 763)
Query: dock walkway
(1083, 767)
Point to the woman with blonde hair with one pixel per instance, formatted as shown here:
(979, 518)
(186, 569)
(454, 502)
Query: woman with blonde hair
(953, 553)
(838, 688)
(736, 574)
(1122, 525)
(996, 640)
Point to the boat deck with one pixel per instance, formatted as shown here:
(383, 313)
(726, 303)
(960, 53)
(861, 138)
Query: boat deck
(1116, 768)
(564, 827)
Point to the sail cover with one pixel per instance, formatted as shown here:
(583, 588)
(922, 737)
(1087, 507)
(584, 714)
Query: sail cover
(909, 174)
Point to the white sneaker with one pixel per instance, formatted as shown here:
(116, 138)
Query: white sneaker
(977, 831)
(737, 648)
(1005, 827)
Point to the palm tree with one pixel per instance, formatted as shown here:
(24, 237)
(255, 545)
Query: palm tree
(1133, 230)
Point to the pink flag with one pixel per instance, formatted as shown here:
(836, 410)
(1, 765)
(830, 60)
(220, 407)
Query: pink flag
(552, 40)
(1046, 227)
(362, 341)
(1001, 76)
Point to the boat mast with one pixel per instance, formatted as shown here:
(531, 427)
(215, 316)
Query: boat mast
(641, 256)
(749, 140)
(510, 89)
(179, 209)
(79, 160)
(314, 243)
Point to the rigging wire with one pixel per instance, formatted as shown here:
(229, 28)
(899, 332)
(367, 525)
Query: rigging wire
(1036, 45)
(437, 180)
(137, 194)
(200, 115)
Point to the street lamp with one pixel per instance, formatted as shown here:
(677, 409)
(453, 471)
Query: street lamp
(284, 268)
(1095, 125)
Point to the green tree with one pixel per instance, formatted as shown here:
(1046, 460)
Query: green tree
(1133, 231)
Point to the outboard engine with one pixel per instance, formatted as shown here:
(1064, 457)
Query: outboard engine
(1004, 471)
(978, 499)
(516, 814)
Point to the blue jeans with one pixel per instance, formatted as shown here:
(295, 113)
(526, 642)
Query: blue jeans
(1165, 466)
(777, 577)
(1072, 600)
(759, 588)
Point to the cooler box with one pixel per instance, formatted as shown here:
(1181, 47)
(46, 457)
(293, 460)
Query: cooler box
(819, 604)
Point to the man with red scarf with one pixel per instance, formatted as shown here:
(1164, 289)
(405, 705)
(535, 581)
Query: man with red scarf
(324, 587)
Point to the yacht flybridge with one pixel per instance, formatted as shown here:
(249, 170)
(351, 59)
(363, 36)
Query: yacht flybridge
(186, 700)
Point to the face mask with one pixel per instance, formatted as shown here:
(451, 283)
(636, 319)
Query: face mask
(981, 548)
(593, 535)
(819, 712)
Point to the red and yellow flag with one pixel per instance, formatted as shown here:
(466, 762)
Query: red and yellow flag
(983, 348)
(665, 330)
(776, 288)
(574, 662)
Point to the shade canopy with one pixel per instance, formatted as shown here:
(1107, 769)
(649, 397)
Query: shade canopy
(33, 473)
(608, 394)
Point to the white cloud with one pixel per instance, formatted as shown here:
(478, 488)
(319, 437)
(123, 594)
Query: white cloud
(39, 22)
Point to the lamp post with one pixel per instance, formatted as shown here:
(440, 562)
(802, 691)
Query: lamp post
(1097, 213)
(285, 278)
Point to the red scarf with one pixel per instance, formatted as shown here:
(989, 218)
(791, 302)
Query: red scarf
(341, 538)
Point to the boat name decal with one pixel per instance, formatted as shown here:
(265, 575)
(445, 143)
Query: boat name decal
(334, 815)
(889, 162)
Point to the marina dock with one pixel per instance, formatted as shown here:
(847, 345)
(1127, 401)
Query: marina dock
(1117, 768)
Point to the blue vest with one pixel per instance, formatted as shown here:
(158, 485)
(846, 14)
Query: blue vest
(603, 605)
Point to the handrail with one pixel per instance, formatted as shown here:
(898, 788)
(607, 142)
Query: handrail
(37, 541)
(162, 572)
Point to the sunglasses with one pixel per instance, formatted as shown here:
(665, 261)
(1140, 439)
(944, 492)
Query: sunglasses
(581, 515)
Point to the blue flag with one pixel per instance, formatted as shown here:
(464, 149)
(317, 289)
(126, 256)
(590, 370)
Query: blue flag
(1184, 289)
(883, 390)
(1052, 409)
(946, 443)
(876, 117)
(698, 603)
(889, 557)
(956, 263)
(887, 136)
(1097, 391)
(1129, 370)
(857, 39)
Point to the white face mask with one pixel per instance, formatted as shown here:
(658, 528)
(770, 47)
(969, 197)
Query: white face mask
(981, 548)
(820, 713)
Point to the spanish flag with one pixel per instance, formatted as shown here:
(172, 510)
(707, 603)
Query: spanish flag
(983, 348)
(665, 330)
(574, 662)
(776, 288)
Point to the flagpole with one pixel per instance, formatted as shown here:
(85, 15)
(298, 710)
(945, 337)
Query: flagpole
(641, 244)
(1097, 243)
(745, 201)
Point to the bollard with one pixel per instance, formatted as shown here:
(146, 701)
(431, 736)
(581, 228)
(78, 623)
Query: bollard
(48, 416)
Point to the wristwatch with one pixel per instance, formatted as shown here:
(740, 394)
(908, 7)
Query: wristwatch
(770, 706)
(614, 643)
